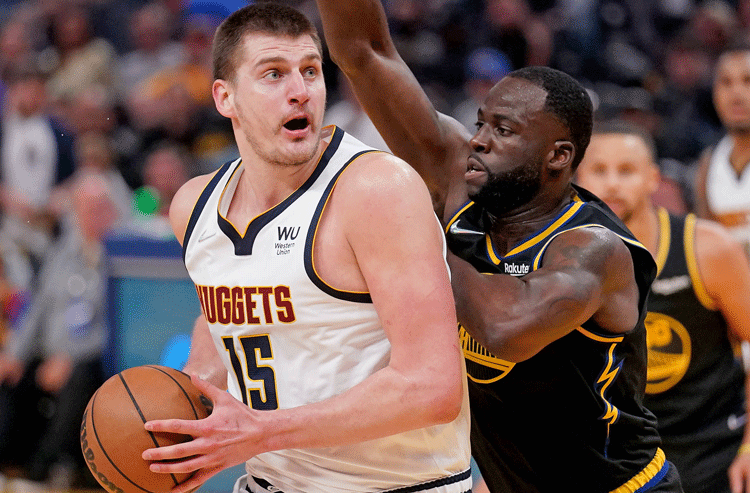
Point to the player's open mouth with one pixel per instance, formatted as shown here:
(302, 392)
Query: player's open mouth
(297, 124)
(473, 165)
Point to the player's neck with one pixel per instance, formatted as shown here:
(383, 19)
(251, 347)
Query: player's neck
(740, 156)
(263, 185)
(644, 224)
(511, 229)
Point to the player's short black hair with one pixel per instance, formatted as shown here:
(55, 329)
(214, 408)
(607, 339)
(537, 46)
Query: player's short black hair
(736, 45)
(623, 127)
(261, 17)
(568, 100)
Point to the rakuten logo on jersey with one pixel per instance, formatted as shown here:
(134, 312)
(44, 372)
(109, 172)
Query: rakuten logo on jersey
(516, 269)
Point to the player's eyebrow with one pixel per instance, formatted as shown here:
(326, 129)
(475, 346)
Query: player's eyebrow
(277, 59)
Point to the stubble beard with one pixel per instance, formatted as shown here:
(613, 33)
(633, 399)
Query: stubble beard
(507, 191)
(294, 160)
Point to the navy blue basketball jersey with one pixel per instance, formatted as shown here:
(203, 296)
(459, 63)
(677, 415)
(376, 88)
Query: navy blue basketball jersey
(570, 418)
(695, 383)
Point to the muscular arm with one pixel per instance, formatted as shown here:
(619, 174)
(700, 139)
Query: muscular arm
(357, 36)
(586, 273)
(725, 272)
(400, 257)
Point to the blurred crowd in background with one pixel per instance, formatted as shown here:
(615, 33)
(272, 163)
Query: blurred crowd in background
(106, 110)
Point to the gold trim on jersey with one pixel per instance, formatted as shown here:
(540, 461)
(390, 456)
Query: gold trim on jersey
(647, 474)
(223, 190)
(665, 239)
(692, 264)
(599, 338)
(577, 204)
(317, 225)
(221, 199)
(476, 353)
(539, 255)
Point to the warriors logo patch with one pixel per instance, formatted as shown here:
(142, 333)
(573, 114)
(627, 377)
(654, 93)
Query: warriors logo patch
(481, 365)
(668, 352)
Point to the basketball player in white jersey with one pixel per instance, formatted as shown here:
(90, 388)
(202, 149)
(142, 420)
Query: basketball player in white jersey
(723, 178)
(320, 268)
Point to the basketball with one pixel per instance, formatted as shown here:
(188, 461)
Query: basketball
(112, 432)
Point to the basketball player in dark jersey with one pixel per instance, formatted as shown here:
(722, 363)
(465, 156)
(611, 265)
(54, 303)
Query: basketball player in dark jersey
(695, 383)
(554, 339)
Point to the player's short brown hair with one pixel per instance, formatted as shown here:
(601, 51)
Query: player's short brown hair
(262, 17)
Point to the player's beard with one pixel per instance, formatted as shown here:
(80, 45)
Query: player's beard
(508, 190)
(302, 155)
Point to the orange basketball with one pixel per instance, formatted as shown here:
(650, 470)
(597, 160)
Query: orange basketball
(112, 432)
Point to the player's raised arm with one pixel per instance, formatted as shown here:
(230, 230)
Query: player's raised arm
(356, 32)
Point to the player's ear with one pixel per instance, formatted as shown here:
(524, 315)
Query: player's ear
(561, 155)
(223, 98)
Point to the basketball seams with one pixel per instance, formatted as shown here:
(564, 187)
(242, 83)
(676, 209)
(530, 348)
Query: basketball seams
(101, 445)
(143, 418)
(184, 392)
(151, 396)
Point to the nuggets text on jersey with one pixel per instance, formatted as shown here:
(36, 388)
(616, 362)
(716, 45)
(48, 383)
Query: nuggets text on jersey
(252, 305)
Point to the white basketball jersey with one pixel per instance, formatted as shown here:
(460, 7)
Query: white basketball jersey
(728, 195)
(289, 339)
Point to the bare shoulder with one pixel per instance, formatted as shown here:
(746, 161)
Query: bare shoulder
(378, 179)
(183, 203)
(598, 249)
(716, 251)
(597, 262)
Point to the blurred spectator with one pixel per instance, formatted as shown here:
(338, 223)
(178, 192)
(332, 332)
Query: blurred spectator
(484, 67)
(153, 50)
(52, 363)
(13, 301)
(79, 59)
(35, 156)
(684, 101)
(15, 44)
(634, 105)
(518, 32)
(167, 166)
(194, 75)
(723, 178)
(175, 103)
(93, 154)
(714, 24)
(93, 109)
(349, 114)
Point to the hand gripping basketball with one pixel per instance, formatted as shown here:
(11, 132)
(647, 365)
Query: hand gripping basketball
(113, 436)
(229, 436)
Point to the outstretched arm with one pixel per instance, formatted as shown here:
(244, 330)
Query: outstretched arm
(586, 273)
(356, 33)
